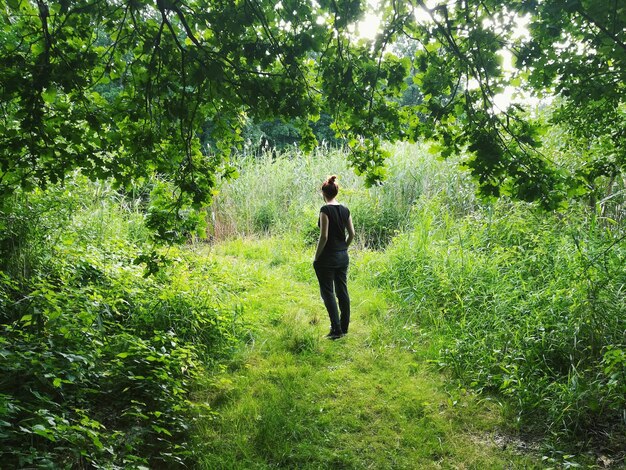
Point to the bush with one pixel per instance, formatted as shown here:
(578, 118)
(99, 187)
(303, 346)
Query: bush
(531, 306)
(97, 361)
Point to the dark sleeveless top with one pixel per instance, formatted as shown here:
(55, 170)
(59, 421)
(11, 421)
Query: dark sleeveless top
(338, 216)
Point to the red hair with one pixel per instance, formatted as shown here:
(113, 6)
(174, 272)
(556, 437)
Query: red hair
(330, 188)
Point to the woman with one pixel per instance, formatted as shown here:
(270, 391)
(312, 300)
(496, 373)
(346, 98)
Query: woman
(331, 258)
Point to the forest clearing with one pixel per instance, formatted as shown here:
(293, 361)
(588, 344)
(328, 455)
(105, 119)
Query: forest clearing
(212, 353)
(187, 185)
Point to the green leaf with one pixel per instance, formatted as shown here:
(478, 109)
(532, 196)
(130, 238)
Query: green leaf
(435, 148)
(161, 430)
(95, 439)
(42, 431)
(49, 95)
(433, 46)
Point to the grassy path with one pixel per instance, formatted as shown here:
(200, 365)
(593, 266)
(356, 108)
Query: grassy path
(292, 399)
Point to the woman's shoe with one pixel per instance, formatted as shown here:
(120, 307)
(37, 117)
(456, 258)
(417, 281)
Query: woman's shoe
(333, 335)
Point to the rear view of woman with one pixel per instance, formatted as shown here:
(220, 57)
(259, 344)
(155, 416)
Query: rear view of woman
(331, 258)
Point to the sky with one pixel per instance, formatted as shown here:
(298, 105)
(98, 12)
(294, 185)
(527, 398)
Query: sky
(369, 27)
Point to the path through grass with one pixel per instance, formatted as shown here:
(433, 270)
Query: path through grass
(292, 399)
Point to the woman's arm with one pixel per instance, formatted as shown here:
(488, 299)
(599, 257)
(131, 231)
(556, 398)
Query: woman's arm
(321, 243)
(350, 231)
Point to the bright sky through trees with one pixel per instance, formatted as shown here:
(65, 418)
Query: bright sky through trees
(125, 89)
(370, 26)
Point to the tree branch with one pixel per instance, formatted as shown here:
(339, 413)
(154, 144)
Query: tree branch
(602, 28)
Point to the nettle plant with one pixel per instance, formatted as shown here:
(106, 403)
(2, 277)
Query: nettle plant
(97, 361)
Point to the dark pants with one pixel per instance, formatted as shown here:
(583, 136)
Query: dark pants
(332, 274)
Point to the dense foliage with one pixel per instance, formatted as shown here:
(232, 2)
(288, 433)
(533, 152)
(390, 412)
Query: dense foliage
(125, 89)
(97, 361)
(104, 333)
(575, 50)
(531, 307)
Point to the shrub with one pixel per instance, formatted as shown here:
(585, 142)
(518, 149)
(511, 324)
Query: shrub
(531, 306)
(97, 360)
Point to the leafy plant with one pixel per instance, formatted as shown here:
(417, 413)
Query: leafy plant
(97, 361)
(530, 306)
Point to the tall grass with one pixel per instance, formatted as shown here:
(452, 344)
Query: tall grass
(522, 303)
(282, 195)
(96, 360)
(531, 305)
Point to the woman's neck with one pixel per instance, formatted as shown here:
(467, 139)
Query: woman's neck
(332, 201)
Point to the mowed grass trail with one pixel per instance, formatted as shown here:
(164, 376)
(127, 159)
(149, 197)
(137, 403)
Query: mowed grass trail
(292, 399)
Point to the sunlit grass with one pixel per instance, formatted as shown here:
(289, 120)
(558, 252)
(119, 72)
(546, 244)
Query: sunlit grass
(282, 196)
(507, 299)
(524, 308)
(296, 400)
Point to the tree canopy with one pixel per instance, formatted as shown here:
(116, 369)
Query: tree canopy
(123, 89)
(573, 51)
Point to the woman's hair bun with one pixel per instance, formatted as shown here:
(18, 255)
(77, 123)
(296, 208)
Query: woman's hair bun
(330, 188)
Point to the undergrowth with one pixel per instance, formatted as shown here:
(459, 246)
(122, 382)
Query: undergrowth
(521, 303)
(106, 334)
(97, 360)
(531, 306)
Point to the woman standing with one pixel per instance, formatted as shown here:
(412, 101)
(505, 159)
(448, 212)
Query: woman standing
(331, 258)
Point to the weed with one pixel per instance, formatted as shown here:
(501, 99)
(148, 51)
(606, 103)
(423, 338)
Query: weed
(97, 361)
(520, 304)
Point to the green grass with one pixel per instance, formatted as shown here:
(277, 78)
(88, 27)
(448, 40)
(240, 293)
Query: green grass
(286, 194)
(291, 399)
(96, 359)
(525, 309)
(511, 302)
